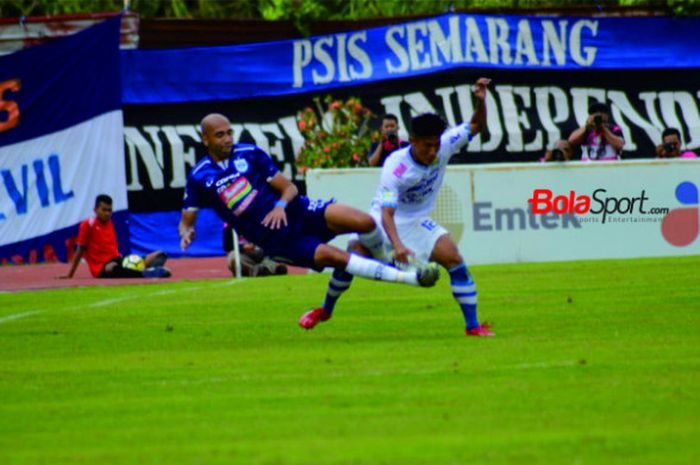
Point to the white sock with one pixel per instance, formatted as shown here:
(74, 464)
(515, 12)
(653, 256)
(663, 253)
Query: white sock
(371, 269)
(374, 241)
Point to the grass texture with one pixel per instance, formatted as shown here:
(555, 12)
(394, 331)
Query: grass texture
(594, 362)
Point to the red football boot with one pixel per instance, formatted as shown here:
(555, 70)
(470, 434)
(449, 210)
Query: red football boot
(311, 318)
(482, 330)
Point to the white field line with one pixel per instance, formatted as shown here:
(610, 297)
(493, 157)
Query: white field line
(17, 316)
(102, 303)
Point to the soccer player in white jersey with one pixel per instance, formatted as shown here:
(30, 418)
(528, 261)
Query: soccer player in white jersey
(409, 185)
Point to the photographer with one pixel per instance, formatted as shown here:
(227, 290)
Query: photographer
(390, 141)
(599, 139)
(562, 151)
(670, 146)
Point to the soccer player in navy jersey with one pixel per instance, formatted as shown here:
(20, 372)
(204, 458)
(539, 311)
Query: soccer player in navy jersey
(248, 192)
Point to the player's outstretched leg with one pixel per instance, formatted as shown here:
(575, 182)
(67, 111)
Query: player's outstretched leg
(340, 282)
(343, 219)
(327, 255)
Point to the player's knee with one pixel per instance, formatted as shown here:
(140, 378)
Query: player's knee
(365, 223)
(326, 255)
(448, 260)
(357, 247)
(109, 269)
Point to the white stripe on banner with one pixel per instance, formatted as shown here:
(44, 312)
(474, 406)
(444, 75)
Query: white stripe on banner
(50, 182)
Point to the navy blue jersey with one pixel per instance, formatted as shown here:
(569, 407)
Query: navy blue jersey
(238, 190)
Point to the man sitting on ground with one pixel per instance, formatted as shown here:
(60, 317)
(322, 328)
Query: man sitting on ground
(97, 242)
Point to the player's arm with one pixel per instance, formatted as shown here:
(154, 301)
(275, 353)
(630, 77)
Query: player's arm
(478, 122)
(186, 227)
(77, 256)
(277, 217)
(401, 252)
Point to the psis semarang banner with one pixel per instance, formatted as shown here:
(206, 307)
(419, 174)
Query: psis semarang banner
(546, 72)
(61, 142)
(422, 47)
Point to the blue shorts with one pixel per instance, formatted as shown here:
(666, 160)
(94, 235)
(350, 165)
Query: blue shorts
(306, 230)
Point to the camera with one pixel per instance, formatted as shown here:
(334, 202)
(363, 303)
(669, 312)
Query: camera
(669, 147)
(392, 137)
(557, 155)
(598, 120)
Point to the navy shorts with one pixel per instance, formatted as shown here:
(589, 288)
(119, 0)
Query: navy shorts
(118, 271)
(306, 231)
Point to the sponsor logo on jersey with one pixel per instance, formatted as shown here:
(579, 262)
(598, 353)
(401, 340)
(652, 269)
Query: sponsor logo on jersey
(400, 170)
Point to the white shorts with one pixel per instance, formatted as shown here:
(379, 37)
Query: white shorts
(419, 235)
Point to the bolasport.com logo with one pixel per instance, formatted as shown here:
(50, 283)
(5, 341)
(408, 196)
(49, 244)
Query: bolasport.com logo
(600, 206)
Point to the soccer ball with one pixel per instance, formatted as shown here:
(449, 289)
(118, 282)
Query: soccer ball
(134, 262)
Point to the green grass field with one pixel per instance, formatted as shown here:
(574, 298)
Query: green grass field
(593, 363)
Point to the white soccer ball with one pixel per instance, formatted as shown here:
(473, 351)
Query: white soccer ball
(134, 262)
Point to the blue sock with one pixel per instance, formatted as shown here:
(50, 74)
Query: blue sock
(464, 292)
(339, 283)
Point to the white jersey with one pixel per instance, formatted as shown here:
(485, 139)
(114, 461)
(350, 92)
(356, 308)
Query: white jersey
(411, 188)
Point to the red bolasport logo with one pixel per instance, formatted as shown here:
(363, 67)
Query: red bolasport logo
(544, 201)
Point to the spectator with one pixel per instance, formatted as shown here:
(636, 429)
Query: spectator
(254, 262)
(389, 141)
(670, 146)
(599, 139)
(562, 151)
(97, 242)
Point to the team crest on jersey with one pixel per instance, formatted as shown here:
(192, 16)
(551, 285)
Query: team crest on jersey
(241, 165)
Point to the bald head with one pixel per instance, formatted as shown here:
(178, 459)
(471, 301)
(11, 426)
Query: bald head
(217, 136)
(212, 119)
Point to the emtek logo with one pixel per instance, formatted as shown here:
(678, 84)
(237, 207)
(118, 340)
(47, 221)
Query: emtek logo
(680, 226)
(487, 218)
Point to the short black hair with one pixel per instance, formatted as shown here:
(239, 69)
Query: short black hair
(427, 125)
(103, 198)
(598, 107)
(670, 132)
(390, 116)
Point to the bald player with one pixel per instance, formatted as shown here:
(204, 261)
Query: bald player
(242, 184)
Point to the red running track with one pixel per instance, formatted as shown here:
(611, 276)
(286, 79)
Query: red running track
(46, 276)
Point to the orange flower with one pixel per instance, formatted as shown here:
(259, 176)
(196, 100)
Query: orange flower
(302, 125)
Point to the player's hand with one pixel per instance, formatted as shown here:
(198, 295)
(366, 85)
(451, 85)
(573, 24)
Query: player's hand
(403, 254)
(186, 239)
(276, 219)
(480, 88)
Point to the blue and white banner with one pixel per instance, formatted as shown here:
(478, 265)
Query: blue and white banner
(408, 50)
(61, 142)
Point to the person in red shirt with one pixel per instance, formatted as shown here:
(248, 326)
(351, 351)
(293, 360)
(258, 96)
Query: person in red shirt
(97, 242)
